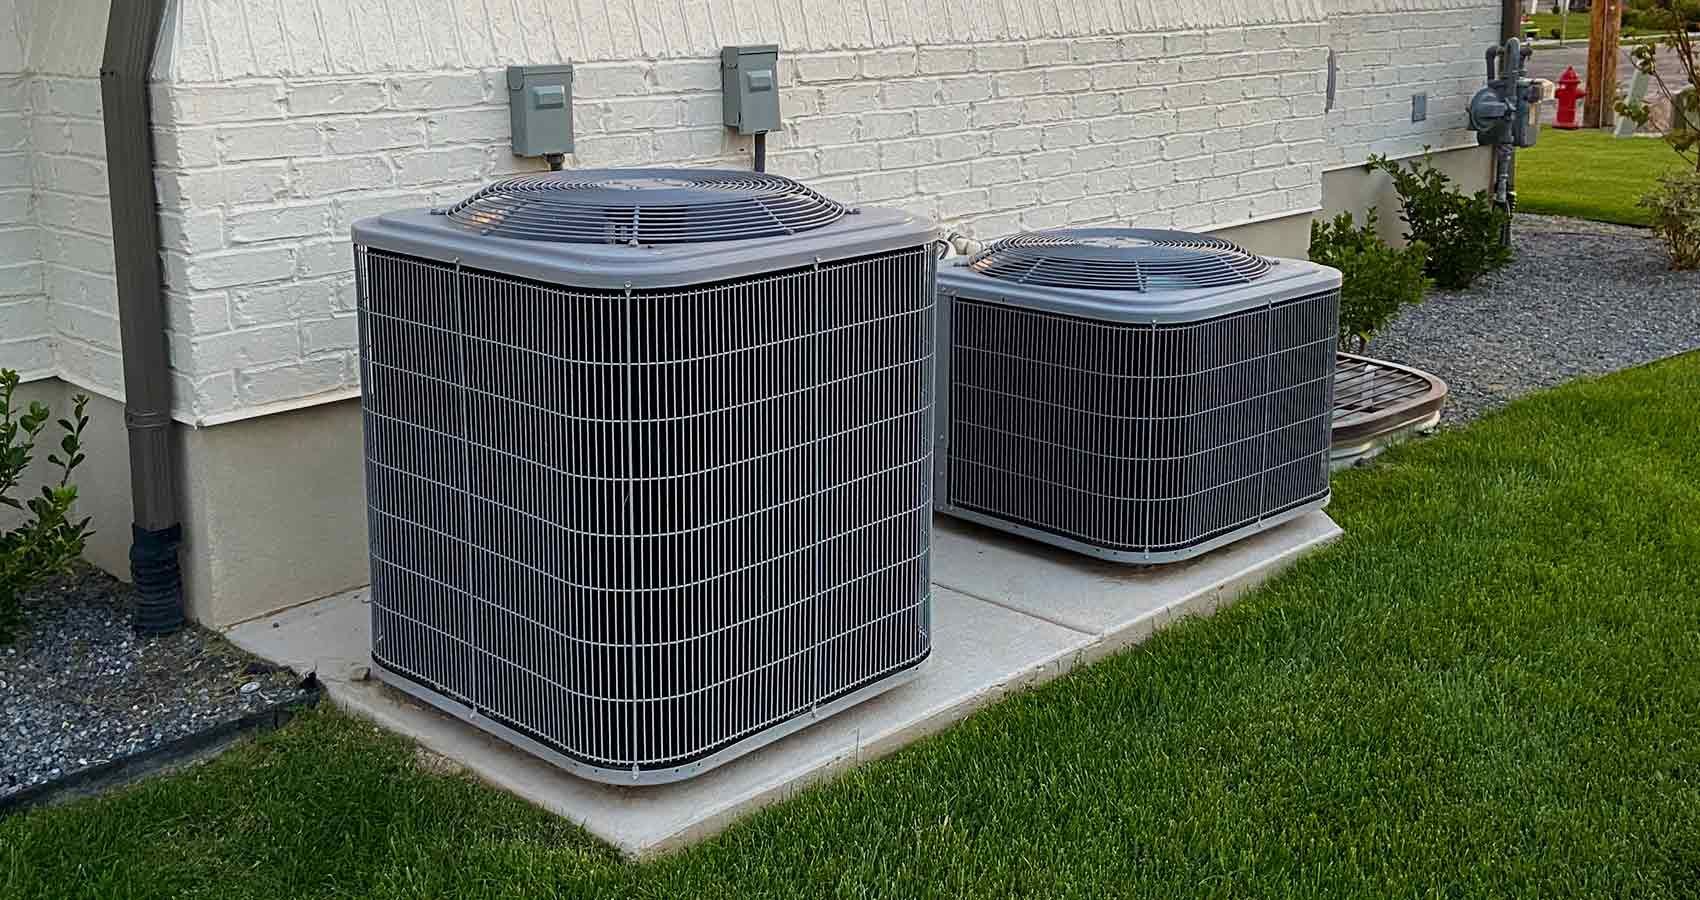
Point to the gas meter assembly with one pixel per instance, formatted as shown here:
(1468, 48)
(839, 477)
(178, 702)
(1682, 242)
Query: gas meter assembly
(1506, 112)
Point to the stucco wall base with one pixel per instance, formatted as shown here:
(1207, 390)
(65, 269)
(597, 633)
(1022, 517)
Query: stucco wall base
(1287, 236)
(274, 512)
(273, 507)
(1356, 189)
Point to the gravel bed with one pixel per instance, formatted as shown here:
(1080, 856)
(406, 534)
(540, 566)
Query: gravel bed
(1580, 298)
(78, 688)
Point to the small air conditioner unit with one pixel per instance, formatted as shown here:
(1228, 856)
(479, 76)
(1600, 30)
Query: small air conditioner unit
(648, 460)
(1137, 395)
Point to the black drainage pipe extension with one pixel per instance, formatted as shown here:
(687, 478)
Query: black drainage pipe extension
(132, 34)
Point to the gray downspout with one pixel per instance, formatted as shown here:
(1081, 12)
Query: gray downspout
(132, 34)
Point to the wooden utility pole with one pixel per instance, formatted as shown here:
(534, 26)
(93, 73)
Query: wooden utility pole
(1603, 34)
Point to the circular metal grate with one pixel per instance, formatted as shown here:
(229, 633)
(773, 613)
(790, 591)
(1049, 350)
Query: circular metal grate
(644, 206)
(1373, 397)
(1119, 259)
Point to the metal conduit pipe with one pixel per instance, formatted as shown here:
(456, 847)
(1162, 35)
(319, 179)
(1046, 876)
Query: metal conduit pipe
(1505, 158)
(132, 34)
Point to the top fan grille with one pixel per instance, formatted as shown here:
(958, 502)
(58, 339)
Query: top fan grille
(645, 206)
(1119, 259)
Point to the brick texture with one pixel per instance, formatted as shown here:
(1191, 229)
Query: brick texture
(26, 325)
(58, 306)
(1384, 57)
(278, 123)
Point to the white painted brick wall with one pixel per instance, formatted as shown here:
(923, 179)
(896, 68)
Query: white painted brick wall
(75, 228)
(1385, 56)
(58, 311)
(26, 326)
(986, 137)
(280, 122)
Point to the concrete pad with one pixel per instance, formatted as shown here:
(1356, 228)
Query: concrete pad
(1118, 604)
(331, 636)
(1006, 614)
(980, 652)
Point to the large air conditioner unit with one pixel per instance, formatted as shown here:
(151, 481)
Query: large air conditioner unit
(1141, 396)
(648, 460)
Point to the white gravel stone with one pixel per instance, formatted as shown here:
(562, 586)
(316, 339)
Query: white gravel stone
(1579, 299)
(82, 690)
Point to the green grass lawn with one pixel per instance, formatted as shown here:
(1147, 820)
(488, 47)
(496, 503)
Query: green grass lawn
(1489, 688)
(1591, 175)
(1578, 27)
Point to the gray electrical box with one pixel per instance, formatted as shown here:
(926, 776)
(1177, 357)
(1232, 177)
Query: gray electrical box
(749, 86)
(1419, 107)
(540, 109)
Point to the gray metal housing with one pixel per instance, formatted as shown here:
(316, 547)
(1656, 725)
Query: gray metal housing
(1132, 426)
(428, 234)
(749, 87)
(540, 109)
(640, 510)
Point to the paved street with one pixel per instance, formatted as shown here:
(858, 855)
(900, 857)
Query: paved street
(1550, 62)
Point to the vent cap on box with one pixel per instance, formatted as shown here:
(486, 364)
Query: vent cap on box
(1119, 259)
(644, 206)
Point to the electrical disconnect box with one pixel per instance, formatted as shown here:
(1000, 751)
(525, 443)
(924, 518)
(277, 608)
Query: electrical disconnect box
(1506, 112)
(749, 86)
(540, 109)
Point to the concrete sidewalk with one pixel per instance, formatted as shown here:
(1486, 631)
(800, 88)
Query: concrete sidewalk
(1007, 613)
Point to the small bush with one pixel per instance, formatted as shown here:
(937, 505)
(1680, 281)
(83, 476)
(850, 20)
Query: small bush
(1461, 231)
(1655, 16)
(1379, 279)
(1676, 80)
(47, 540)
(1675, 208)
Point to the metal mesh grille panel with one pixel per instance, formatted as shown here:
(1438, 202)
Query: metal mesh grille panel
(644, 206)
(1119, 259)
(639, 527)
(1140, 439)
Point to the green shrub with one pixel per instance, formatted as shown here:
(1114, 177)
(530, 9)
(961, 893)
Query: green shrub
(1655, 16)
(1677, 79)
(47, 540)
(1379, 279)
(1675, 206)
(1675, 203)
(1462, 231)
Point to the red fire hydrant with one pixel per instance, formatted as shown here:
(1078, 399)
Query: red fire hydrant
(1569, 94)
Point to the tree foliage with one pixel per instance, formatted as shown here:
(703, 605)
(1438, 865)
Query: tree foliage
(1676, 22)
